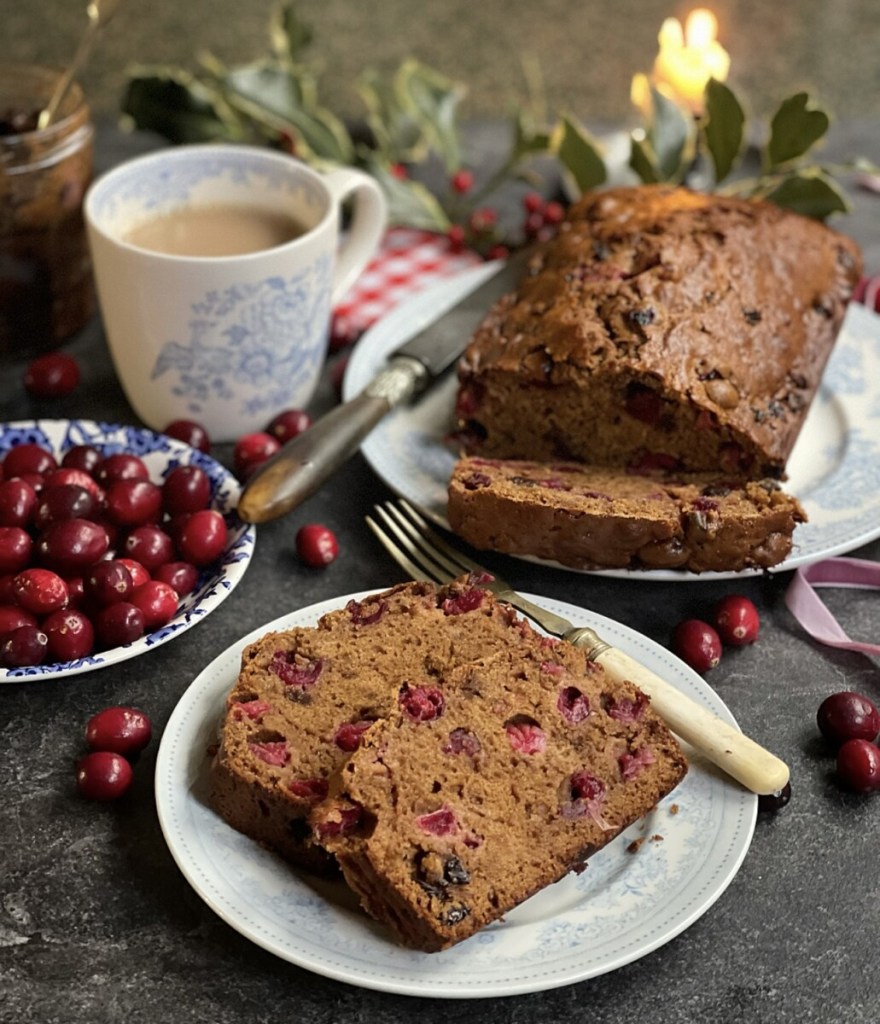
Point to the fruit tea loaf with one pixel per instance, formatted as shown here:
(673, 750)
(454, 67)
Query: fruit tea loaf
(593, 517)
(661, 328)
(304, 697)
(507, 774)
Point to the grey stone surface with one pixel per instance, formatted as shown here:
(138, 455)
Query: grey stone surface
(98, 926)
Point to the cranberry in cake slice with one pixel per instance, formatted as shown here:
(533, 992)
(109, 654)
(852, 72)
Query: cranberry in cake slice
(491, 784)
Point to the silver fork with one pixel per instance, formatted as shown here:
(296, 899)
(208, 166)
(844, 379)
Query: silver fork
(425, 555)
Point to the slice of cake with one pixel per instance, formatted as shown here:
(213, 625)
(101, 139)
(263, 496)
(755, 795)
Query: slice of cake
(593, 517)
(304, 697)
(482, 786)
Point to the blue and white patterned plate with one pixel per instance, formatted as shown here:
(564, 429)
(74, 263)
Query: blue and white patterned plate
(834, 469)
(631, 900)
(160, 454)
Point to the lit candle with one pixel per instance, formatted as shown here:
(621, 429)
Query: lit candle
(689, 57)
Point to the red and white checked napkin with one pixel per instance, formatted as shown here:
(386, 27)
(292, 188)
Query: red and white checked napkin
(408, 261)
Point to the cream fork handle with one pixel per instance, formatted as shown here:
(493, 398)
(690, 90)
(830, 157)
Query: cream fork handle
(724, 745)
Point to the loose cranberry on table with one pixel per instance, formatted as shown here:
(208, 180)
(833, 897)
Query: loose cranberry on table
(289, 424)
(252, 450)
(848, 715)
(316, 545)
(103, 775)
(122, 730)
(858, 766)
(737, 620)
(697, 644)
(191, 433)
(51, 376)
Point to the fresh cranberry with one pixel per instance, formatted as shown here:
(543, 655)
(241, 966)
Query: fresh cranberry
(202, 538)
(28, 458)
(181, 576)
(316, 545)
(52, 375)
(72, 545)
(121, 466)
(149, 545)
(119, 624)
(17, 502)
(40, 591)
(737, 621)
(186, 489)
(108, 582)
(26, 645)
(251, 450)
(157, 601)
(75, 591)
(122, 730)
(846, 716)
(132, 502)
(70, 634)
(12, 616)
(288, 424)
(68, 476)
(103, 776)
(69, 501)
(858, 765)
(697, 644)
(15, 549)
(139, 574)
(191, 433)
(81, 456)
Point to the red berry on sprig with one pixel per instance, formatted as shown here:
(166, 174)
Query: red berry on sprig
(462, 182)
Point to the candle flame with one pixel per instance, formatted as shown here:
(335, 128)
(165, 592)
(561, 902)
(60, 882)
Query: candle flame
(689, 57)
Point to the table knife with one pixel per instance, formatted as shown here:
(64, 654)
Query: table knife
(299, 468)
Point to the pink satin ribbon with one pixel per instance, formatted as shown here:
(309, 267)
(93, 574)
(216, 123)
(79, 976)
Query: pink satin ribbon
(808, 608)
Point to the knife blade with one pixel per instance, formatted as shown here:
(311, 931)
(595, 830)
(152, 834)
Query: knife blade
(302, 465)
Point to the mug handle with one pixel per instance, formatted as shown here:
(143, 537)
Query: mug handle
(367, 227)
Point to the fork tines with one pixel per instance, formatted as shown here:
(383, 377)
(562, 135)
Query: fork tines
(415, 546)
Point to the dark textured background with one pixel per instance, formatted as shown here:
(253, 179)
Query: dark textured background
(587, 50)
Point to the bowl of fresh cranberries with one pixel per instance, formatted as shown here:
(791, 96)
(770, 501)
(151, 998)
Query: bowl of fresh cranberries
(113, 540)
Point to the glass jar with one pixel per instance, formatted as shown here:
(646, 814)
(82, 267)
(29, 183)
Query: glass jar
(46, 291)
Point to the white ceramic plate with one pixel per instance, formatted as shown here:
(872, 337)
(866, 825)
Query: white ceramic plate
(160, 454)
(622, 907)
(834, 469)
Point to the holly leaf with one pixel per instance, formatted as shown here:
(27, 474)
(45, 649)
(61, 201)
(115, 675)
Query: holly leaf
(396, 135)
(668, 134)
(276, 96)
(810, 192)
(178, 107)
(409, 202)
(795, 128)
(432, 100)
(579, 154)
(724, 125)
(528, 140)
(642, 161)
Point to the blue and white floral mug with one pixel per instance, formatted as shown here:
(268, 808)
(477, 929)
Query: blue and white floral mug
(217, 267)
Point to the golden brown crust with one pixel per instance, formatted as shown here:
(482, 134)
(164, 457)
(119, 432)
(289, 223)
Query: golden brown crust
(662, 325)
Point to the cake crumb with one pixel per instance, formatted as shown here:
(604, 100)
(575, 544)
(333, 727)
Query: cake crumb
(673, 808)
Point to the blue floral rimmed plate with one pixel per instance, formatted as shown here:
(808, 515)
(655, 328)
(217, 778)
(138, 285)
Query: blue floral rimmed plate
(161, 454)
